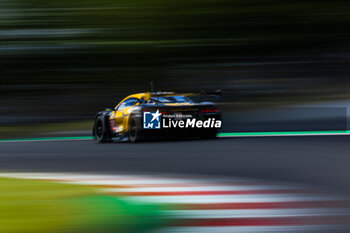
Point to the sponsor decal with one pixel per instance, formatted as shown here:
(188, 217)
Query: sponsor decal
(157, 120)
(151, 120)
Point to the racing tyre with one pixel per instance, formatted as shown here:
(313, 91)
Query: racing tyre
(135, 131)
(101, 132)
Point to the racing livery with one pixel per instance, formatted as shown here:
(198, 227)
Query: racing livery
(151, 114)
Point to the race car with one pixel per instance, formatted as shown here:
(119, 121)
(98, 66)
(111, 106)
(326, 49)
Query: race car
(158, 114)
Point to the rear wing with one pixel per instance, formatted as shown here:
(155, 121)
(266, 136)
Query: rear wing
(161, 93)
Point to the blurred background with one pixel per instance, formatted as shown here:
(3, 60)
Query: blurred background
(281, 65)
(62, 61)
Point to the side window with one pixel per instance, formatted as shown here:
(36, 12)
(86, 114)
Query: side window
(127, 103)
(122, 106)
(131, 102)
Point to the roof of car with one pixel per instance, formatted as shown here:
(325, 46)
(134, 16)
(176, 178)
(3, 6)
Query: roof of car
(148, 95)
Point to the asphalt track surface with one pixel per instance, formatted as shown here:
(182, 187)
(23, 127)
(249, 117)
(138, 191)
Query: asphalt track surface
(321, 160)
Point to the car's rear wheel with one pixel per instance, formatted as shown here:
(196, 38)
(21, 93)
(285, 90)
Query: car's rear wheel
(134, 131)
(101, 132)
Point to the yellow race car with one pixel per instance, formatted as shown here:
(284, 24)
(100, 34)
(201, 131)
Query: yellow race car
(153, 114)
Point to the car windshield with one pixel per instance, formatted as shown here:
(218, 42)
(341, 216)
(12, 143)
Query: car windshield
(171, 99)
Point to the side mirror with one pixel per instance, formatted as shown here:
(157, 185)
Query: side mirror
(216, 92)
(110, 109)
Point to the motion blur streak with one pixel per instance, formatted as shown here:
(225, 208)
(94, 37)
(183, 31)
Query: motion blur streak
(65, 60)
(282, 66)
(240, 134)
(245, 229)
(245, 212)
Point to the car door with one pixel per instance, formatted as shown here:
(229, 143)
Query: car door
(122, 114)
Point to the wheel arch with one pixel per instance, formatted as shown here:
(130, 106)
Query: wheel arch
(105, 117)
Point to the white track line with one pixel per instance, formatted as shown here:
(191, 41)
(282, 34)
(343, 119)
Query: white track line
(156, 184)
(256, 213)
(201, 199)
(204, 188)
(115, 179)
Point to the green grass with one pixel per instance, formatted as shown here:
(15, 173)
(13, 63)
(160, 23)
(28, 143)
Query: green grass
(28, 206)
(38, 129)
